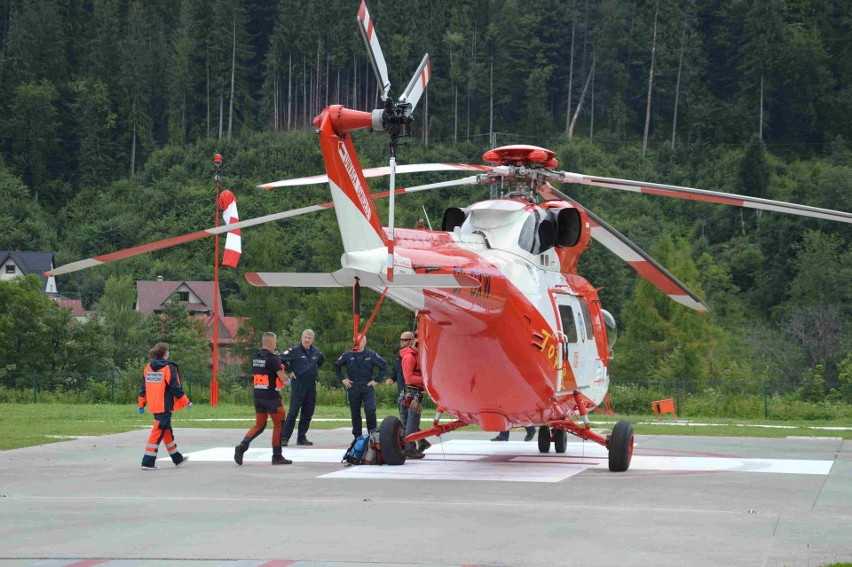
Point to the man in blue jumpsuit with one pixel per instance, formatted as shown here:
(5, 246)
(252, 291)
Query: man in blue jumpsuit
(360, 364)
(302, 362)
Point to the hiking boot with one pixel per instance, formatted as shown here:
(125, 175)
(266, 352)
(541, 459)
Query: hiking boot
(182, 461)
(149, 468)
(280, 460)
(285, 442)
(304, 442)
(414, 454)
(422, 445)
(239, 451)
(529, 436)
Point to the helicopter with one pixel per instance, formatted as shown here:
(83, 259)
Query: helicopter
(509, 333)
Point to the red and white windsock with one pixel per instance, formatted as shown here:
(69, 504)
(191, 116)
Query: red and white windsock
(233, 243)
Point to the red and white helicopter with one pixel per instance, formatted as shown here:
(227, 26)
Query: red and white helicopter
(510, 335)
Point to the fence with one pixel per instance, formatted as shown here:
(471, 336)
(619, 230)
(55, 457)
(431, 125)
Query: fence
(117, 387)
(768, 399)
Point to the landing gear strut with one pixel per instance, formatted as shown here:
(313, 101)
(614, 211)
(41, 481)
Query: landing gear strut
(619, 443)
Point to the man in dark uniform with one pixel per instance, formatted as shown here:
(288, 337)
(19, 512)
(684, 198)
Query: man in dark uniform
(302, 361)
(269, 379)
(360, 363)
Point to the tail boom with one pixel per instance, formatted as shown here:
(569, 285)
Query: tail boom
(357, 217)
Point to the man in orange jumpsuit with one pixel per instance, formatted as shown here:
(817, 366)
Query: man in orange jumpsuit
(162, 392)
(269, 377)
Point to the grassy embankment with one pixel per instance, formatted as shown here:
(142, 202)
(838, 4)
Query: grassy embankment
(35, 424)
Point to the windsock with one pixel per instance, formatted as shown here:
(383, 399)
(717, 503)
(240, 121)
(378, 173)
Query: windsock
(233, 243)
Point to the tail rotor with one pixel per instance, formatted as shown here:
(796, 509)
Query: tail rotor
(396, 117)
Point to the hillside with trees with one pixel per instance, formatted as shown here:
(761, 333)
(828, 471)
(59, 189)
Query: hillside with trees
(111, 111)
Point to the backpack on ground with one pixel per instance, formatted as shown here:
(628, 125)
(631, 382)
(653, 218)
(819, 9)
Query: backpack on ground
(354, 455)
(365, 450)
(373, 454)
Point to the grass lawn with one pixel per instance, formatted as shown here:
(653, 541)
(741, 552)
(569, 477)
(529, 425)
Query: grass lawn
(35, 424)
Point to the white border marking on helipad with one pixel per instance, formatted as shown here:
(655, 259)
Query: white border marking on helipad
(513, 461)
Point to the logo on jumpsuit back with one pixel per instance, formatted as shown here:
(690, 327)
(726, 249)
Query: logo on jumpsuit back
(154, 376)
(353, 176)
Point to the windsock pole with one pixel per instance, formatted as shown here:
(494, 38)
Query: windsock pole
(214, 382)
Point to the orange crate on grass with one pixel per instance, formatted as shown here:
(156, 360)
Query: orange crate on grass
(664, 406)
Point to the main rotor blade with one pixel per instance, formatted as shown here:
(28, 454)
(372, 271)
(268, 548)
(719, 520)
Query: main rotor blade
(175, 240)
(417, 86)
(374, 50)
(382, 172)
(625, 249)
(693, 194)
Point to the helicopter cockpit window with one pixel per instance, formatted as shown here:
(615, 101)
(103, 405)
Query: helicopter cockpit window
(538, 234)
(587, 319)
(569, 328)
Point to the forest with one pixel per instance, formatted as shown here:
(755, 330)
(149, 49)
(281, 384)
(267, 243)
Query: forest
(111, 111)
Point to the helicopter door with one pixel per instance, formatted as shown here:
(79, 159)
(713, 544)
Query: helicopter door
(577, 347)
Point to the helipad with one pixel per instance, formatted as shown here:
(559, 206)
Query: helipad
(684, 501)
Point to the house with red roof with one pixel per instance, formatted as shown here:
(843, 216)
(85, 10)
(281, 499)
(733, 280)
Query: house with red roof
(197, 297)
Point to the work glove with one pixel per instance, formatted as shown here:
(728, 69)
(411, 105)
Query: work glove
(140, 410)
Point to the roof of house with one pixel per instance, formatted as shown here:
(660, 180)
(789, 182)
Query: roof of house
(228, 328)
(75, 305)
(152, 295)
(30, 262)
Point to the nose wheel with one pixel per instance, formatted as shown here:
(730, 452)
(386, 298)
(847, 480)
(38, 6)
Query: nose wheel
(544, 439)
(559, 437)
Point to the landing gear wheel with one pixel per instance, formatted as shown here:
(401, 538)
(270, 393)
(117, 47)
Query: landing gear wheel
(544, 439)
(560, 440)
(390, 440)
(620, 446)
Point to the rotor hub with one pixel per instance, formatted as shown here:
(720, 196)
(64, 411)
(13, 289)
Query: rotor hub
(521, 156)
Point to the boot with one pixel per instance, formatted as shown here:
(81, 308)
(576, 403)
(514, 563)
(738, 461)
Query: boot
(422, 445)
(239, 451)
(413, 454)
(280, 460)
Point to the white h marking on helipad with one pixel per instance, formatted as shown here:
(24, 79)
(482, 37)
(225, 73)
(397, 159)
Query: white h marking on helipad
(513, 461)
